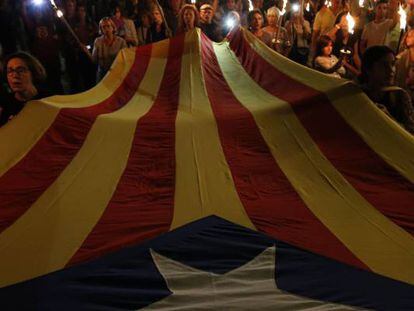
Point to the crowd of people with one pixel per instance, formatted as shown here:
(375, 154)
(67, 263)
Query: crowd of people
(72, 54)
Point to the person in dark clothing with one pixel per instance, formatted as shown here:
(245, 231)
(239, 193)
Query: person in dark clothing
(377, 81)
(207, 24)
(7, 28)
(25, 75)
(158, 30)
(46, 48)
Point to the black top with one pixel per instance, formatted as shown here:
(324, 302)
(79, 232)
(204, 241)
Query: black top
(212, 31)
(154, 36)
(10, 106)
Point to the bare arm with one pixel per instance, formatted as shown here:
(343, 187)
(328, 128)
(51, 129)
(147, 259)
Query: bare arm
(332, 32)
(215, 6)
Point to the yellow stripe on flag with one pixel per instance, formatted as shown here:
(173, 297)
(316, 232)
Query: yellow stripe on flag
(46, 237)
(380, 132)
(373, 238)
(19, 136)
(204, 185)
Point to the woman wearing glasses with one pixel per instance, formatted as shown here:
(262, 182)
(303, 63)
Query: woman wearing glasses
(25, 75)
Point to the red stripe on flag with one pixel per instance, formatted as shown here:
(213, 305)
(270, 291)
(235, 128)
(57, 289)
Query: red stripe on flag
(22, 185)
(268, 197)
(143, 204)
(379, 183)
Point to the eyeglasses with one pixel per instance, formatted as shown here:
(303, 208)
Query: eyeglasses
(19, 71)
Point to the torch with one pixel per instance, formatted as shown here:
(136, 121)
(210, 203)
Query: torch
(60, 15)
(403, 24)
(328, 3)
(351, 25)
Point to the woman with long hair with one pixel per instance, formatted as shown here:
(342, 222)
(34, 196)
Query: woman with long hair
(158, 30)
(106, 47)
(187, 18)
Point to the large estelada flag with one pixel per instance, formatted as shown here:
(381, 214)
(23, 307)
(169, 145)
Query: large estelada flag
(204, 176)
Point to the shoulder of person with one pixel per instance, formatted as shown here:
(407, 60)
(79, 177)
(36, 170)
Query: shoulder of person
(119, 40)
(129, 22)
(99, 40)
(334, 58)
(320, 59)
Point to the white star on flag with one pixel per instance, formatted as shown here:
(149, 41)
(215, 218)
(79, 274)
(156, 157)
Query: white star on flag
(249, 287)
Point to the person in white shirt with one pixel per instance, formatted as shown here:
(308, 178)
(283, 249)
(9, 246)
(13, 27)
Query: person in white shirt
(375, 32)
(325, 61)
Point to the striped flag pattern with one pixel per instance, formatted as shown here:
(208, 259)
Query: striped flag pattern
(185, 129)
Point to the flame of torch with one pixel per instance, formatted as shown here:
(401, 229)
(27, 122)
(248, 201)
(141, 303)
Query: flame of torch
(351, 23)
(283, 8)
(251, 7)
(361, 3)
(193, 1)
(403, 17)
(308, 7)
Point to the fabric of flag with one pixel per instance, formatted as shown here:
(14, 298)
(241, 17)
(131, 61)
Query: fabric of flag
(201, 175)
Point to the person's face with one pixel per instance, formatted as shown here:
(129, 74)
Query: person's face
(189, 17)
(118, 14)
(258, 4)
(19, 76)
(70, 8)
(409, 40)
(327, 50)
(41, 32)
(230, 4)
(156, 16)
(381, 10)
(106, 28)
(271, 19)
(206, 15)
(382, 73)
(81, 13)
(257, 21)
